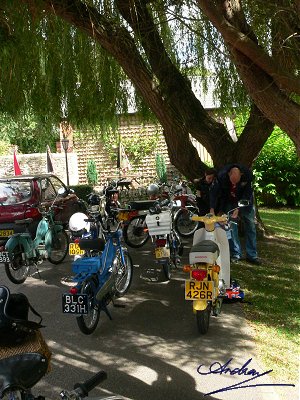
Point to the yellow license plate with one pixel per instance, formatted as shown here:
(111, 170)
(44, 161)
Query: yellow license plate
(6, 232)
(162, 252)
(123, 216)
(199, 290)
(75, 250)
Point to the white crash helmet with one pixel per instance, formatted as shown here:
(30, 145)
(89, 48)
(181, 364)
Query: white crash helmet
(77, 223)
(152, 189)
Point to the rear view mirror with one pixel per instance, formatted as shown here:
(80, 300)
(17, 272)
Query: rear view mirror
(61, 191)
(243, 203)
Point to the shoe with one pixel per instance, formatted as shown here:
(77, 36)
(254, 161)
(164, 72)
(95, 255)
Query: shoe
(253, 261)
(234, 260)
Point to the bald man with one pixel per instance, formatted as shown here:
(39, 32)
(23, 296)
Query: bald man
(234, 183)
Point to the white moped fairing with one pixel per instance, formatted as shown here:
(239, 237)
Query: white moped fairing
(219, 236)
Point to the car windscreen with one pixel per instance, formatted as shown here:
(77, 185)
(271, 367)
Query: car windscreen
(14, 192)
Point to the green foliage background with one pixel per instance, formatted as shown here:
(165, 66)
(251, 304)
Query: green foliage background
(277, 172)
(91, 173)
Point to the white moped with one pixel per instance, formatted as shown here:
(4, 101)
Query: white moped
(209, 267)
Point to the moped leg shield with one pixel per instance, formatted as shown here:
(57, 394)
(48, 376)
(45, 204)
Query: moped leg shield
(23, 239)
(199, 305)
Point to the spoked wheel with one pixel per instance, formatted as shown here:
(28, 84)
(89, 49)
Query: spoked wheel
(135, 233)
(183, 222)
(59, 248)
(18, 269)
(87, 323)
(203, 319)
(124, 273)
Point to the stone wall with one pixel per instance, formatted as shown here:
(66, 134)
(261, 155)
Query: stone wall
(31, 164)
(89, 147)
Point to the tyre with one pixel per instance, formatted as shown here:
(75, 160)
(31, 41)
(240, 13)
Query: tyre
(59, 248)
(167, 270)
(183, 222)
(124, 273)
(17, 270)
(87, 323)
(134, 233)
(203, 319)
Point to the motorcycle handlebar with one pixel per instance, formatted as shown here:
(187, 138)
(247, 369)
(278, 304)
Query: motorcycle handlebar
(84, 388)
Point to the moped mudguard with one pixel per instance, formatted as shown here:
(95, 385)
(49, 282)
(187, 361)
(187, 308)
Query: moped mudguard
(23, 239)
(49, 235)
(199, 305)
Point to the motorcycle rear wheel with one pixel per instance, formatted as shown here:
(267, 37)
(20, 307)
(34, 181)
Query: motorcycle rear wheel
(167, 270)
(17, 270)
(124, 274)
(183, 222)
(87, 323)
(59, 248)
(203, 317)
(135, 234)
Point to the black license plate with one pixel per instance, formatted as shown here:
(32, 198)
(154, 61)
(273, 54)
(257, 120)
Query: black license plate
(75, 303)
(4, 257)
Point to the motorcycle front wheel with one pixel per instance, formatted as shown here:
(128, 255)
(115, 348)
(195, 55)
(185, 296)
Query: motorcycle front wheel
(203, 317)
(135, 233)
(87, 323)
(18, 269)
(124, 273)
(183, 222)
(59, 248)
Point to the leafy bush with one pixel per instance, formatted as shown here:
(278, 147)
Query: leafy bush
(277, 172)
(161, 169)
(91, 173)
(82, 191)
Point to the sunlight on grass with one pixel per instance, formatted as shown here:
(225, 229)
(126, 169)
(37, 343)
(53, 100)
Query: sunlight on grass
(272, 292)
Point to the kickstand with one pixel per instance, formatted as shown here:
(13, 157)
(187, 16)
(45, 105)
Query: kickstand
(37, 270)
(105, 309)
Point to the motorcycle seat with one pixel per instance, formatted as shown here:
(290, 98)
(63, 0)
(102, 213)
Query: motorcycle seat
(206, 251)
(141, 204)
(206, 246)
(22, 370)
(92, 244)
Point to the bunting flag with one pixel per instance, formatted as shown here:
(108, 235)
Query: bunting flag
(123, 162)
(17, 168)
(50, 167)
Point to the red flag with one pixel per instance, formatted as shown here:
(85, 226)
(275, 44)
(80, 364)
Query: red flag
(16, 165)
(49, 161)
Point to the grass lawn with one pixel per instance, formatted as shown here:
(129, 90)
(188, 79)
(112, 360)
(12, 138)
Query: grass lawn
(272, 291)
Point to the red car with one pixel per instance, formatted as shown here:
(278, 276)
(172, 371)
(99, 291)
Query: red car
(19, 196)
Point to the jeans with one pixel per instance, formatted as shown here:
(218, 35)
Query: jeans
(247, 215)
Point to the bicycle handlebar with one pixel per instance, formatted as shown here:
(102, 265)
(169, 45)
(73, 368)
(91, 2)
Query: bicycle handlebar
(84, 388)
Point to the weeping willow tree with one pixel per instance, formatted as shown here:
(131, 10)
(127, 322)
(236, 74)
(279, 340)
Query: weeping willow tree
(73, 59)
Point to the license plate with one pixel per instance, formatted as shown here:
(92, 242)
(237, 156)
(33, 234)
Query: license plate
(199, 290)
(162, 252)
(75, 303)
(6, 232)
(4, 257)
(75, 250)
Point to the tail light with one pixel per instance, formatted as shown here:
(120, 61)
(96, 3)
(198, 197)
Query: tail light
(32, 213)
(186, 268)
(199, 274)
(73, 290)
(160, 242)
(76, 240)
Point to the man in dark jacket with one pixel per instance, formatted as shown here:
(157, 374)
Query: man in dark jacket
(234, 183)
(203, 186)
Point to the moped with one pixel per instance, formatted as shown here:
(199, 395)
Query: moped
(98, 279)
(209, 267)
(25, 357)
(50, 242)
(167, 244)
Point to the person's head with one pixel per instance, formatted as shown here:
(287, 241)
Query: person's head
(210, 174)
(235, 175)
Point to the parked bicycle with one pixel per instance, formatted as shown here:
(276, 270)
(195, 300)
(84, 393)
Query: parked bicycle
(50, 242)
(99, 279)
